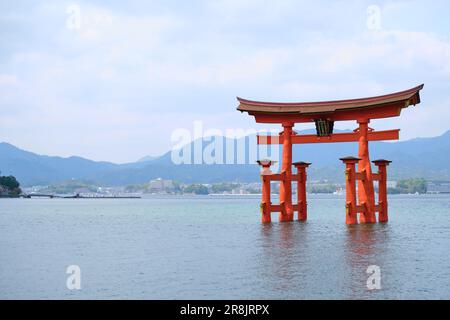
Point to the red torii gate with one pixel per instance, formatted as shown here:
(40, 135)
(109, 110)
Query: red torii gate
(324, 114)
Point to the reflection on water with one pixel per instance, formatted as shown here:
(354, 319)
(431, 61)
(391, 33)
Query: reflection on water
(310, 263)
(216, 248)
(282, 247)
(365, 245)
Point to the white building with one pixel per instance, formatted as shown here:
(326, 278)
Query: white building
(160, 184)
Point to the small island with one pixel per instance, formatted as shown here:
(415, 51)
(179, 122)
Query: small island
(9, 187)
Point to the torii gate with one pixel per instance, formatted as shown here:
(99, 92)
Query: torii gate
(324, 114)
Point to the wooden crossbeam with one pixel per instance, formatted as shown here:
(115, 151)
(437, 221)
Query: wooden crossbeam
(280, 176)
(376, 176)
(275, 208)
(362, 208)
(274, 176)
(278, 207)
(335, 137)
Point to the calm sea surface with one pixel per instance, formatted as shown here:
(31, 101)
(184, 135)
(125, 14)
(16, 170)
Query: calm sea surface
(216, 248)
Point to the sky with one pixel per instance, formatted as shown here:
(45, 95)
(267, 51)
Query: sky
(112, 80)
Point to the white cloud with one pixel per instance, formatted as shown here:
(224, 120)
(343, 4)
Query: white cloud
(8, 80)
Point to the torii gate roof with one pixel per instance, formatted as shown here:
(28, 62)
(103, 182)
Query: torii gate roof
(384, 106)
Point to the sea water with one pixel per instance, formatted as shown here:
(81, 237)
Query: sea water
(215, 247)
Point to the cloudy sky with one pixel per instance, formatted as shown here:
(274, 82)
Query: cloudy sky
(112, 80)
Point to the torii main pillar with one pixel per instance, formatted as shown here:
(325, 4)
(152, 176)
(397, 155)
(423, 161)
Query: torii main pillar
(366, 192)
(287, 210)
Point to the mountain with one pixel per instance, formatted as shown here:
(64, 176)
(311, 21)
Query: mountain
(147, 158)
(421, 157)
(30, 168)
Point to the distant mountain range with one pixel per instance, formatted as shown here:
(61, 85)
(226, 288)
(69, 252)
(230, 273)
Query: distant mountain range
(147, 158)
(422, 157)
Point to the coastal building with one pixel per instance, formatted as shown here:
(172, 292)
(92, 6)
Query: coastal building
(159, 185)
(438, 187)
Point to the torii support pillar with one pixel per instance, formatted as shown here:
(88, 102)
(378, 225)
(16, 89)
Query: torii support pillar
(302, 204)
(351, 213)
(265, 179)
(382, 189)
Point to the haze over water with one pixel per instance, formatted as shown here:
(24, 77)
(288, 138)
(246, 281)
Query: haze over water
(216, 248)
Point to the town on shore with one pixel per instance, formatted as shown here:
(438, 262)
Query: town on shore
(10, 187)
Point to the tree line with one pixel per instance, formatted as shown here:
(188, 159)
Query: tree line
(414, 185)
(9, 186)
